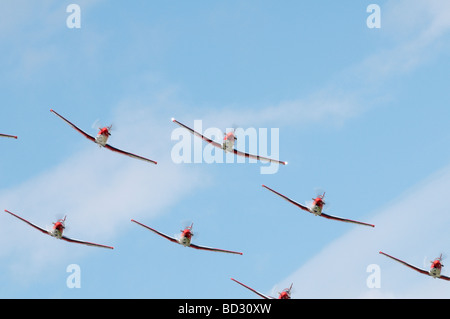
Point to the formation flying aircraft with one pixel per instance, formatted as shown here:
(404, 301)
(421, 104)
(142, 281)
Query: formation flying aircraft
(435, 268)
(228, 145)
(57, 231)
(285, 294)
(317, 207)
(102, 138)
(185, 239)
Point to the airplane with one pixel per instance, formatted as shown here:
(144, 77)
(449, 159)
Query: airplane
(228, 145)
(57, 231)
(10, 136)
(185, 239)
(435, 269)
(317, 207)
(285, 294)
(102, 138)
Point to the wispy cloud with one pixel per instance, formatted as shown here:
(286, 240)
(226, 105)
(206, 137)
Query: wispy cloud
(357, 88)
(329, 105)
(412, 227)
(98, 190)
(417, 28)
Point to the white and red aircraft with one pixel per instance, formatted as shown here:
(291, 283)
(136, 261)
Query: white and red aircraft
(228, 145)
(102, 138)
(185, 239)
(435, 269)
(57, 231)
(317, 207)
(10, 136)
(285, 294)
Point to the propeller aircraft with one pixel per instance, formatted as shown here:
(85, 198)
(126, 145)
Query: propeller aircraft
(57, 231)
(102, 138)
(185, 239)
(285, 294)
(228, 144)
(435, 268)
(317, 208)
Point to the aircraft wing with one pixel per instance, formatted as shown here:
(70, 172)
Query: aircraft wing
(74, 126)
(214, 249)
(76, 241)
(288, 199)
(174, 240)
(422, 271)
(444, 277)
(112, 148)
(256, 292)
(10, 136)
(345, 220)
(259, 158)
(29, 223)
(198, 134)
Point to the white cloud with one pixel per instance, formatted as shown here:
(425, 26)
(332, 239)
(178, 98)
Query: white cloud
(328, 105)
(413, 228)
(98, 190)
(353, 91)
(417, 28)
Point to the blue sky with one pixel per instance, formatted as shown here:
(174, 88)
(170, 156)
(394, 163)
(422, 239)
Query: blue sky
(362, 114)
